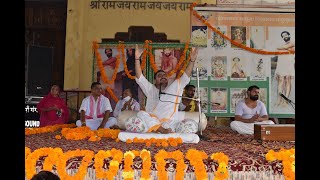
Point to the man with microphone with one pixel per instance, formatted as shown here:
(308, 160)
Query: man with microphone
(189, 104)
(161, 113)
(250, 111)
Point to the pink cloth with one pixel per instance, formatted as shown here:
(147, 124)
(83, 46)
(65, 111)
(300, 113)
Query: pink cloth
(48, 118)
(99, 115)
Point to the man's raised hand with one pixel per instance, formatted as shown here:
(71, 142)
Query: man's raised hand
(137, 53)
(194, 54)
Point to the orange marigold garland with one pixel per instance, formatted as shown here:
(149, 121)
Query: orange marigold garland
(125, 64)
(146, 164)
(53, 156)
(144, 54)
(99, 162)
(113, 96)
(143, 58)
(161, 164)
(30, 131)
(232, 41)
(58, 158)
(30, 164)
(27, 151)
(85, 132)
(196, 160)
(222, 172)
(102, 71)
(159, 142)
(78, 133)
(101, 67)
(82, 170)
(184, 66)
(288, 161)
(113, 165)
(181, 60)
(151, 59)
(128, 173)
(181, 166)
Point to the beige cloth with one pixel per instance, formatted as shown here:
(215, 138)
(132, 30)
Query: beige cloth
(181, 116)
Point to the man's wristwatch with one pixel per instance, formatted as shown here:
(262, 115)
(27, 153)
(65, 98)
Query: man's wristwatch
(82, 123)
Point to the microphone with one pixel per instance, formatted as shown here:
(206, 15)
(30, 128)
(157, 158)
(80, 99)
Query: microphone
(284, 97)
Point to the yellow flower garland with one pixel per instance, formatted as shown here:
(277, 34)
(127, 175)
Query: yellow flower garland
(146, 164)
(288, 161)
(196, 160)
(128, 173)
(222, 171)
(181, 166)
(114, 163)
(59, 158)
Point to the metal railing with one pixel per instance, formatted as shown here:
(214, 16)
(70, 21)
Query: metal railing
(73, 99)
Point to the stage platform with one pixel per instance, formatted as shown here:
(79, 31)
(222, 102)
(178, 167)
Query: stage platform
(246, 155)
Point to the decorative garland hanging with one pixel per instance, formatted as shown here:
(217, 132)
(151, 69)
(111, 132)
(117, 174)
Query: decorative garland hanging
(232, 41)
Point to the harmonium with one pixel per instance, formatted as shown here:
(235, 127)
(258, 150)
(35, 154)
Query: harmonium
(274, 132)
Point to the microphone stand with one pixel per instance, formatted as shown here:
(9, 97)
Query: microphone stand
(199, 105)
(292, 104)
(202, 137)
(288, 100)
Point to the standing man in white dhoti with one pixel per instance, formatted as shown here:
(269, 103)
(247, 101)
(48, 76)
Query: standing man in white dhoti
(95, 110)
(161, 113)
(285, 70)
(250, 111)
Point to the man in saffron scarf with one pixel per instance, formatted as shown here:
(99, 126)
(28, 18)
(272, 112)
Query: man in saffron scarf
(189, 105)
(53, 109)
(161, 113)
(95, 110)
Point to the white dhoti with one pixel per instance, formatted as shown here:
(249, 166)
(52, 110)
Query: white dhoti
(93, 124)
(285, 65)
(246, 128)
(109, 70)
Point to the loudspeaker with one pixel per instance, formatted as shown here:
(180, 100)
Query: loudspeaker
(140, 33)
(39, 70)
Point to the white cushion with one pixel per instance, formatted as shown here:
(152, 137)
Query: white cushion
(187, 126)
(124, 115)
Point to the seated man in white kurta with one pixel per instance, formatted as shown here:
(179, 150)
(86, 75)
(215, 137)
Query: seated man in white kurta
(126, 103)
(161, 109)
(250, 111)
(95, 110)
